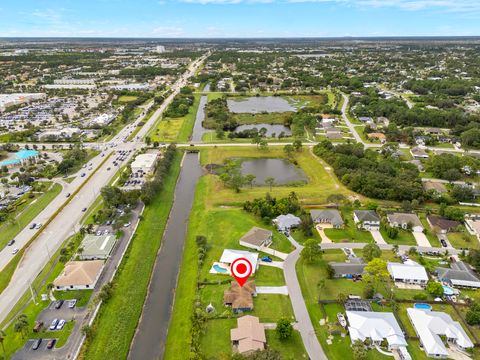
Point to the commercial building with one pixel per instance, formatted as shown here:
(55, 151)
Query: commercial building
(79, 275)
(7, 100)
(144, 163)
(97, 247)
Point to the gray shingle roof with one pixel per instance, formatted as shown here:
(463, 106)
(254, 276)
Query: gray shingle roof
(332, 216)
(366, 215)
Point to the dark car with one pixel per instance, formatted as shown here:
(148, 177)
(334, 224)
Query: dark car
(84, 209)
(68, 194)
(33, 226)
(51, 343)
(11, 242)
(36, 344)
(108, 169)
(58, 304)
(444, 243)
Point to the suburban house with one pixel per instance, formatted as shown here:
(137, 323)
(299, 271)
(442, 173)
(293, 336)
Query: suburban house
(441, 224)
(459, 274)
(404, 220)
(79, 275)
(240, 298)
(367, 219)
(230, 255)
(327, 217)
(418, 153)
(248, 336)
(409, 272)
(431, 325)
(376, 326)
(286, 222)
(256, 238)
(96, 247)
(473, 227)
(354, 268)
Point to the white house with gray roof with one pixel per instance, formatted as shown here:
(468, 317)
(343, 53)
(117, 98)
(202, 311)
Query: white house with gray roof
(459, 274)
(367, 219)
(329, 217)
(404, 220)
(431, 325)
(286, 222)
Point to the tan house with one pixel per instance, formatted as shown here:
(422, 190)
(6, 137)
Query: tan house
(256, 238)
(240, 298)
(79, 275)
(249, 336)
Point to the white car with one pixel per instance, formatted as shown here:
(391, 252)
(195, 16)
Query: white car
(127, 224)
(60, 325)
(14, 251)
(54, 324)
(38, 226)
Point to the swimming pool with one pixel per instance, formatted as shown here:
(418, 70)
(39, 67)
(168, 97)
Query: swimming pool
(219, 269)
(422, 306)
(447, 290)
(26, 154)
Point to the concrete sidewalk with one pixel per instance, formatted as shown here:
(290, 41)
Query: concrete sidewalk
(281, 290)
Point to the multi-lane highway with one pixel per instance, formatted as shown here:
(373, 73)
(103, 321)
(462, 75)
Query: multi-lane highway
(69, 217)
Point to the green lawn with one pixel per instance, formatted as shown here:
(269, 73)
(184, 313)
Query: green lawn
(463, 239)
(176, 129)
(321, 182)
(290, 349)
(272, 307)
(27, 213)
(269, 276)
(404, 237)
(120, 315)
(82, 296)
(349, 233)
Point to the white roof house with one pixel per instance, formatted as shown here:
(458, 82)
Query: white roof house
(430, 325)
(408, 272)
(375, 326)
(230, 255)
(286, 222)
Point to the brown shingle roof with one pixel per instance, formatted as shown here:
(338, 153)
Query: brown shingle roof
(240, 297)
(249, 336)
(256, 236)
(442, 223)
(78, 273)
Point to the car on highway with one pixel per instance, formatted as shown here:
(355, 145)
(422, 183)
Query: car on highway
(38, 226)
(11, 242)
(58, 304)
(84, 209)
(33, 226)
(14, 251)
(68, 195)
(36, 344)
(83, 175)
(108, 169)
(60, 325)
(51, 343)
(53, 325)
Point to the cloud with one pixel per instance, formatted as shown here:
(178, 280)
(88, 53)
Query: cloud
(168, 31)
(50, 15)
(409, 5)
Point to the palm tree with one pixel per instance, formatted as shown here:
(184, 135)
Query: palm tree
(21, 324)
(2, 339)
(270, 181)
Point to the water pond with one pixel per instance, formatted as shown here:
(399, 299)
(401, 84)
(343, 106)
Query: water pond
(259, 104)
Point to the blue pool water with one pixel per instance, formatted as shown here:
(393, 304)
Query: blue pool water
(447, 290)
(25, 154)
(219, 269)
(422, 306)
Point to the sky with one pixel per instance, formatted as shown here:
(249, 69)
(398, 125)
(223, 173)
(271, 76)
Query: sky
(238, 18)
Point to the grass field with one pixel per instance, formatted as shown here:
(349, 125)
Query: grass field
(404, 237)
(27, 213)
(127, 98)
(321, 182)
(460, 240)
(349, 233)
(176, 129)
(121, 314)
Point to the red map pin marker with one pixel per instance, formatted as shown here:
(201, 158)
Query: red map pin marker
(241, 269)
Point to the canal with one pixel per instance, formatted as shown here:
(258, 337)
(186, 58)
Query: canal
(150, 337)
(198, 129)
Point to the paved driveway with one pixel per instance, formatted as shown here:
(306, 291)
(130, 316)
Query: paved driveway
(377, 236)
(421, 239)
(281, 290)
(274, 252)
(325, 238)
